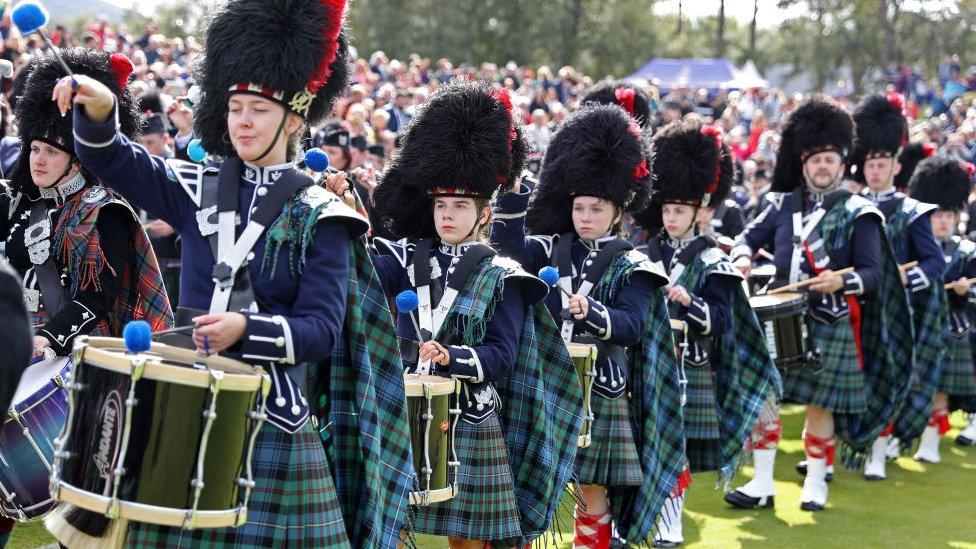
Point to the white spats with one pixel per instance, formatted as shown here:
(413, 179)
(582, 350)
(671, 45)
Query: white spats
(928, 447)
(814, 494)
(874, 466)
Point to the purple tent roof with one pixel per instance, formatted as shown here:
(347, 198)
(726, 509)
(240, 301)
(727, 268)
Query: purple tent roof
(697, 73)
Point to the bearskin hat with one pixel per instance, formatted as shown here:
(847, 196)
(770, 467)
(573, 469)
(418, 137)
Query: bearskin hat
(631, 99)
(943, 181)
(909, 158)
(290, 51)
(38, 117)
(692, 165)
(464, 141)
(817, 125)
(881, 131)
(598, 151)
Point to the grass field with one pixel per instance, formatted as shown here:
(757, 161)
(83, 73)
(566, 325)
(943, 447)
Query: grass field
(918, 506)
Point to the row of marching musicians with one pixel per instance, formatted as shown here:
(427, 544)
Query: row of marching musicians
(279, 413)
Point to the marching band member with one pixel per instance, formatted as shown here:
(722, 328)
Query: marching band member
(274, 274)
(596, 169)
(943, 181)
(86, 264)
(481, 318)
(725, 358)
(881, 132)
(859, 320)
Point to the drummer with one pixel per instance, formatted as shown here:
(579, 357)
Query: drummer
(725, 351)
(859, 320)
(943, 181)
(86, 264)
(298, 304)
(596, 169)
(881, 134)
(479, 341)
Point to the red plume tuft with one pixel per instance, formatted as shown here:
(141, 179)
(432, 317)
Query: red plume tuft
(898, 101)
(970, 169)
(122, 68)
(641, 170)
(928, 149)
(625, 98)
(337, 14)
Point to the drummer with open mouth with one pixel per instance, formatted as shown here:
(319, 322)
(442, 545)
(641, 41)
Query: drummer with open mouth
(273, 274)
(723, 348)
(597, 168)
(86, 264)
(858, 320)
(480, 318)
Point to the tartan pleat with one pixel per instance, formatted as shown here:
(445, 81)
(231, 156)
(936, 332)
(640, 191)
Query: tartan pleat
(704, 454)
(484, 507)
(293, 503)
(959, 373)
(611, 459)
(701, 415)
(837, 384)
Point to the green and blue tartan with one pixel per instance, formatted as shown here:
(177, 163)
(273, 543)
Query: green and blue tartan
(837, 383)
(484, 507)
(611, 459)
(362, 390)
(929, 309)
(886, 338)
(958, 375)
(293, 503)
(542, 401)
(741, 376)
(655, 410)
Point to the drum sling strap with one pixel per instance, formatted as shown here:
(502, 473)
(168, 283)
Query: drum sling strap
(52, 292)
(431, 319)
(562, 259)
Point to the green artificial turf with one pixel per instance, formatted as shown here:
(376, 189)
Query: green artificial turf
(917, 506)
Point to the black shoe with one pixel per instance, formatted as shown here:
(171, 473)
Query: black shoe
(801, 467)
(872, 477)
(811, 506)
(742, 501)
(665, 543)
(965, 441)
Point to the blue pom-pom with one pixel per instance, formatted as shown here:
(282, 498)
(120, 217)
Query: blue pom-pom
(549, 275)
(195, 150)
(316, 160)
(407, 301)
(29, 16)
(137, 336)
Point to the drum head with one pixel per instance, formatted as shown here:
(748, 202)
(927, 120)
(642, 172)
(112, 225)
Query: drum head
(580, 350)
(767, 306)
(36, 376)
(414, 385)
(764, 271)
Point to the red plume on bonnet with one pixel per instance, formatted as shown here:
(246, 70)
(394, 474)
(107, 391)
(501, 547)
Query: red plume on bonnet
(716, 133)
(331, 33)
(898, 101)
(121, 68)
(625, 98)
(928, 149)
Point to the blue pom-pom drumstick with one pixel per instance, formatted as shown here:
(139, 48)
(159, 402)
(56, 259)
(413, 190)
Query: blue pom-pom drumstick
(407, 302)
(30, 16)
(137, 336)
(550, 276)
(195, 151)
(316, 160)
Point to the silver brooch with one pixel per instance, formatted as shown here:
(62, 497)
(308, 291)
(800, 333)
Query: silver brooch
(206, 221)
(95, 195)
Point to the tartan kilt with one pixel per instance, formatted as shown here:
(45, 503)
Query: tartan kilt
(701, 415)
(484, 507)
(958, 372)
(837, 384)
(293, 503)
(611, 459)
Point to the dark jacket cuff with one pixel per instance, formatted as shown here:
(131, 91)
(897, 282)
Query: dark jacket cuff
(95, 135)
(465, 364)
(267, 338)
(74, 320)
(699, 316)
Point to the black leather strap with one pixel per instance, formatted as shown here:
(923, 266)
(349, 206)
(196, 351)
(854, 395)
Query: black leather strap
(52, 292)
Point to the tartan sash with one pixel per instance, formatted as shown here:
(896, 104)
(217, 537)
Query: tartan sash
(886, 338)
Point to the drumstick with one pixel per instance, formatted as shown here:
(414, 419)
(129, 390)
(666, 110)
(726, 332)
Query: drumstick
(969, 281)
(176, 330)
(909, 265)
(408, 302)
(805, 283)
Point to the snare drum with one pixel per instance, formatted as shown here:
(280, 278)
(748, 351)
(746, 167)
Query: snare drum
(433, 414)
(584, 357)
(163, 437)
(784, 323)
(27, 439)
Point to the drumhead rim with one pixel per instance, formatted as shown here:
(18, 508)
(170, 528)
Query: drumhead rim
(414, 385)
(581, 350)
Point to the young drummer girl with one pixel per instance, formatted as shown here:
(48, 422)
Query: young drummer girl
(597, 168)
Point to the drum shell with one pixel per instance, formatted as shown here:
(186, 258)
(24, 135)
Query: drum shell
(437, 439)
(584, 359)
(164, 442)
(783, 321)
